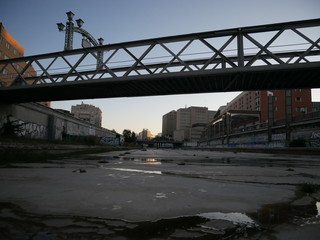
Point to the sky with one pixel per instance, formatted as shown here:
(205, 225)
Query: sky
(33, 24)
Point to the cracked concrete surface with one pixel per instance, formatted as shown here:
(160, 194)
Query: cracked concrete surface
(157, 184)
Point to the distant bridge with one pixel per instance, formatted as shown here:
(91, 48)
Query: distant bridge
(275, 56)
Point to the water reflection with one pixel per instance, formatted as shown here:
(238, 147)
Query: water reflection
(134, 170)
(150, 161)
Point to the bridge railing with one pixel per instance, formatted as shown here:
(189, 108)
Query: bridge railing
(290, 43)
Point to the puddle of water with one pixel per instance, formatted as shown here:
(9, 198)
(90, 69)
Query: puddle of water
(135, 170)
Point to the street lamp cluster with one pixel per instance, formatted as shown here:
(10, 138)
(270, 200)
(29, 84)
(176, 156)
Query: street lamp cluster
(87, 41)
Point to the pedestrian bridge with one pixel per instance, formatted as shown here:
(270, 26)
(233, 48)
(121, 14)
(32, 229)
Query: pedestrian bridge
(276, 56)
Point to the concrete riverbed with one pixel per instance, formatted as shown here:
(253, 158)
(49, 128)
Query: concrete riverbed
(161, 194)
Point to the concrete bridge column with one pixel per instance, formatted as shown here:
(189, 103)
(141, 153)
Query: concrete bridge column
(288, 112)
(270, 116)
(52, 121)
(228, 126)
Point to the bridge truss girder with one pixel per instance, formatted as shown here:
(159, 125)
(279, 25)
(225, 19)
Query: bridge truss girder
(276, 56)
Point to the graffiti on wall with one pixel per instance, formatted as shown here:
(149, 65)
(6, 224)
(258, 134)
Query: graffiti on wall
(315, 139)
(24, 129)
(33, 130)
(110, 141)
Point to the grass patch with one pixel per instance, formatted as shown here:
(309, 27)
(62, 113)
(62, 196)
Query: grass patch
(308, 187)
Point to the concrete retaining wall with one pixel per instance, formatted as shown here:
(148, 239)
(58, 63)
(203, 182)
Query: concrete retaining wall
(310, 134)
(38, 121)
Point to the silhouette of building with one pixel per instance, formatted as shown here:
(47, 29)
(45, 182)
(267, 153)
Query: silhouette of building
(10, 48)
(87, 113)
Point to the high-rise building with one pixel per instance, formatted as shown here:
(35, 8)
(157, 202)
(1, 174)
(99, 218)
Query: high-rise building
(169, 123)
(87, 113)
(198, 115)
(183, 118)
(10, 48)
(186, 123)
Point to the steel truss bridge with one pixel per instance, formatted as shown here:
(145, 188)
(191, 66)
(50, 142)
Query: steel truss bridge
(276, 56)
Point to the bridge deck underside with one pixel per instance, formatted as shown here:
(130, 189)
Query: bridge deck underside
(241, 79)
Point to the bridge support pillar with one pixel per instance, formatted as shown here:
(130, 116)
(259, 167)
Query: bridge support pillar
(270, 116)
(228, 126)
(51, 127)
(288, 112)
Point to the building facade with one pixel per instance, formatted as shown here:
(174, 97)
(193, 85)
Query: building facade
(256, 110)
(186, 124)
(169, 124)
(300, 101)
(87, 113)
(183, 118)
(10, 48)
(315, 106)
(146, 134)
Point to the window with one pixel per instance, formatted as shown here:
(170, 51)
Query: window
(297, 90)
(301, 109)
(5, 72)
(15, 51)
(8, 46)
(0, 53)
(298, 99)
(1, 38)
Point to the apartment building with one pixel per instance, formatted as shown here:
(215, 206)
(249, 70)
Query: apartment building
(186, 123)
(87, 113)
(258, 101)
(10, 48)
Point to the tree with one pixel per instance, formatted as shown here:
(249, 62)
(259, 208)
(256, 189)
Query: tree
(129, 137)
(133, 137)
(11, 128)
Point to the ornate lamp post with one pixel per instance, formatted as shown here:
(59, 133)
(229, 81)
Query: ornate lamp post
(87, 41)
